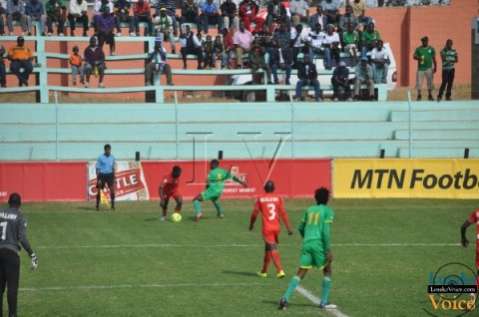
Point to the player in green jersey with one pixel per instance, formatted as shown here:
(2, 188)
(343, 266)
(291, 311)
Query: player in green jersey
(315, 228)
(214, 188)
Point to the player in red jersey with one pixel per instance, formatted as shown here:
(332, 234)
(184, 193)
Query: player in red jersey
(472, 219)
(169, 189)
(272, 209)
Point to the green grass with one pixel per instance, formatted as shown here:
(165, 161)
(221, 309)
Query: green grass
(164, 269)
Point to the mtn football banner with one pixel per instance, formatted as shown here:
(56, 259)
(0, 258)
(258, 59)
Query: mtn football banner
(129, 181)
(405, 178)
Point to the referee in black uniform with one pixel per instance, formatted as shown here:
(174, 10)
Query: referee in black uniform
(13, 233)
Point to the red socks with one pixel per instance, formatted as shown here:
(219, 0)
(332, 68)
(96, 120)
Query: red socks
(271, 255)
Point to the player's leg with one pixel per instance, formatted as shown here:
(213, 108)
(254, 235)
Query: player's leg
(3, 280)
(100, 184)
(179, 202)
(197, 206)
(326, 287)
(164, 207)
(266, 261)
(13, 276)
(219, 210)
(293, 284)
(111, 186)
(271, 243)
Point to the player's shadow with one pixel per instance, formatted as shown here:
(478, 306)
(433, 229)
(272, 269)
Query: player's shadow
(151, 219)
(239, 273)
(270, 302)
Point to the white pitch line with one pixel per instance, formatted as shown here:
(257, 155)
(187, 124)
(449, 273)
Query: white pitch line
(315, 300)
(119, 286)
(234, 245)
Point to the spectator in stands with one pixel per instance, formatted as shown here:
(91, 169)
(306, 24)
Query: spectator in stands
(163, 25)
(449, 59)
(228, 44)
(380, 59)
(300, 8)
(156, 64)
(369, 38)
(76, 65)
(358, 7)
(280, 58)
(346, 19)
(282, 36)
(364, 76)
(78, 13)
(35, 12)
(299, 39)
(219, 51)
(316, 39)
(141, 11)
(426, 67)
(210, 15)
(318, 17)
(242, 40)
(247, 13)
(341, 83)
(3, 14)
(331, 46)
(170, 6)
(229, 14)
(351, 42)
(122, 14)
(308, 76)
(3, 72)
(16, 12)
(105, 26)
(94, 62)
(21, 61)
(274, 11)
(56, 13)
(190, 45)
(99, 4)
(189, 12)
(257, 61)
(331, 10)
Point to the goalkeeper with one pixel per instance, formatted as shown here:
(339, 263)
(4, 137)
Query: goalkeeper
(214, 188)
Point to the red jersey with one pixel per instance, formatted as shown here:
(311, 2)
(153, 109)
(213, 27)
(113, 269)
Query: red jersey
(272, 209)
(474, 219)
(170, 185)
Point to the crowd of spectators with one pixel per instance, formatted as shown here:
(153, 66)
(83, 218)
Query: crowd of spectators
(266, 35)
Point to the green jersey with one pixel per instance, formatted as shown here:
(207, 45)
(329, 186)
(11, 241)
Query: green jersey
(315, 225)
(350, 38)
(369, 37)
(449, 58)
(425, 57)
(217, 178)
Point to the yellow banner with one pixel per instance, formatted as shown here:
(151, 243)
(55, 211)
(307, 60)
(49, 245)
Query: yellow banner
(404, 178)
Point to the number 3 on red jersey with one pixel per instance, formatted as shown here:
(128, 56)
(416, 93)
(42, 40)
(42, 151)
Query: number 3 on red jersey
(272, 211)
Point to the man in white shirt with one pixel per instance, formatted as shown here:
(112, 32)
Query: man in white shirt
(316, 38)
(190, 45)
(78, 12)
(381, 61)
(331, 45)
(157, 65)
(299, 38)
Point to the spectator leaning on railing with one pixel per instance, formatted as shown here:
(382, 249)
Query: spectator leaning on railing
(122, 14)
(426, 67)
(35, 12)
(141, 11)
(16, 12)
(78, 13)
(94, 62)
(308, 76)
(380, 59)
(364, 76)
(21, 61)
(56, 13)
(3, 72)
(449, 59)
(157, 65)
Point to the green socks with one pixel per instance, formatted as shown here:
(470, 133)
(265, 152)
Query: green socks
(326, 289)
(219, 209)
(197, 206)
(291, 287)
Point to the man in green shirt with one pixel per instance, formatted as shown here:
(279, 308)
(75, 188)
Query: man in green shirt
(369, 38)
(449, 59)
(214, 189)
(351, 41)
(315, 228)
(426, 67)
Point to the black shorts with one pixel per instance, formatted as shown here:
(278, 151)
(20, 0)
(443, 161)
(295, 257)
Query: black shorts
(104, 179)
(107, 38)
(9, 267)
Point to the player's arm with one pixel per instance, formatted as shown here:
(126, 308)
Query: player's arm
(302, 225)
(235, 179)
(22, 238)
(113, 170)
(284, 217)
(254, 215)
(434, 61)
(465, 225)
(161, 191)
(97, 166)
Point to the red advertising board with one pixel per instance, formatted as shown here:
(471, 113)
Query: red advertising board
(57, 181)
(293, 178)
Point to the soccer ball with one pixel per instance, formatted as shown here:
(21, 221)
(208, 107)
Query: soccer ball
(176, 217)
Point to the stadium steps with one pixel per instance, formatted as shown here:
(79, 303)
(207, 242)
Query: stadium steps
(436, 134)
(437, 115)
(434, 152)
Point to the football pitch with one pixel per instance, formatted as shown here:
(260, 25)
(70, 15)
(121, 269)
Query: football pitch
(128, 263)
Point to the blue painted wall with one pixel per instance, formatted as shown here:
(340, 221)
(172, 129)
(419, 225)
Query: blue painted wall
(166, 131)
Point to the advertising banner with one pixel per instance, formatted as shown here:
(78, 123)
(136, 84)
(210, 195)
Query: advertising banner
(129, 181)
(403, 178)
